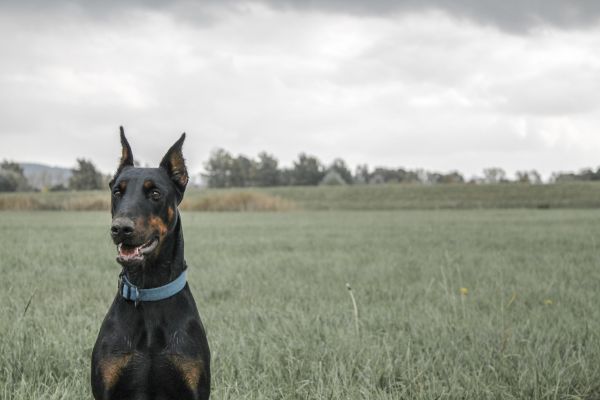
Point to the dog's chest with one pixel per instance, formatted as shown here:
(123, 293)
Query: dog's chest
(148, 360)
(166, 373)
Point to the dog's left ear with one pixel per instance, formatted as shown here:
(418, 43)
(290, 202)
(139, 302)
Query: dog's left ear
(174, 164)
(126, 156)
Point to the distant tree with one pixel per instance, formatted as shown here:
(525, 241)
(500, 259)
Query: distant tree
(12, 177)
(407, 176)
(361, 174)
(585, 175)
(9, 181)
(400, 175)
(376, 178)
(243, 172)
(267, 172)
(12, 166)
(452, 177)
(535, 177)
(432, 178)
(333, 178)
(561, 177)
(286, 177)
(385, 175)
(308, 170)
(532, 177)
(218, 169)
(339, 166)
(85, 176)
(494, 175)
(522, 177)
(588, 174)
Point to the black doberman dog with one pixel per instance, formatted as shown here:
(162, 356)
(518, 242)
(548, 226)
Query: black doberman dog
(152, 344)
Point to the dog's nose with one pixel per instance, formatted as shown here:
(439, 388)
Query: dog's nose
(122, 228)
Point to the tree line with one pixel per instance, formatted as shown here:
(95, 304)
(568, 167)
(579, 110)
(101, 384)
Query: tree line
(84, 177)
(224, 170)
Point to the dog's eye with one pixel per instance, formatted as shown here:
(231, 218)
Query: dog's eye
(117, 193)
(155, 195)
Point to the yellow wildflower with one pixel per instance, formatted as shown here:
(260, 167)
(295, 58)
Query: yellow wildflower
(548, 302)
(463, 291)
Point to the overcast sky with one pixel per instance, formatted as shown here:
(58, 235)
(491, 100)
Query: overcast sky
(450, 85)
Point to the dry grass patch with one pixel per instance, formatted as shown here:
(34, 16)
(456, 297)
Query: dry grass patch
(238, 201)
(100, 201)
(18, 202)
(66, 201)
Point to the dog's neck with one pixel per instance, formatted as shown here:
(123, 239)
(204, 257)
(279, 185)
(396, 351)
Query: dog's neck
(166, 267)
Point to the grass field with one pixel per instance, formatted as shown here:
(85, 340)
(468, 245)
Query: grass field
(271, 291)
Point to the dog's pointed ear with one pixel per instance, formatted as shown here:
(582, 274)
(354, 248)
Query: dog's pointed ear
(174, 163)
(126, 156)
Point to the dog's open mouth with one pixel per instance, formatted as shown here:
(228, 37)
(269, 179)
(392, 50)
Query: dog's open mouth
(132, 254)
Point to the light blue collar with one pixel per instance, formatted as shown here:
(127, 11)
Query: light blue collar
(131, 292)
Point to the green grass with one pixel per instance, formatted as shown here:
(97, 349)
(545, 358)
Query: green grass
(449, 196)
(271, 291)
(357, 197)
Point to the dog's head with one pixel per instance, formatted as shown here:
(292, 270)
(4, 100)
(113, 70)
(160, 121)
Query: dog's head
(144, 203)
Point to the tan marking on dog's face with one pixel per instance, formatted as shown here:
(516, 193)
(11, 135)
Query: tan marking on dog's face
(122, 186)
(148, 184)
(170, 214)
(157, 225)
(111, 369)
(190, 369)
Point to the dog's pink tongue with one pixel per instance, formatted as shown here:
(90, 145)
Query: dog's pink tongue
(128, 251)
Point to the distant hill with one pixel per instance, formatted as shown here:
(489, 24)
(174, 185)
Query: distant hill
(40, 175)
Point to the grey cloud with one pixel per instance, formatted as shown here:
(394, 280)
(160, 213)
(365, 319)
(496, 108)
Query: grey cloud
(517, 16)
(510, 15)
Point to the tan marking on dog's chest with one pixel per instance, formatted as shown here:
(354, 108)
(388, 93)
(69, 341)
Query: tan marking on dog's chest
(190, 369)
(112, 367)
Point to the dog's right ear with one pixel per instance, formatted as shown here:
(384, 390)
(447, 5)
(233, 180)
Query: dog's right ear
(126, 157)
